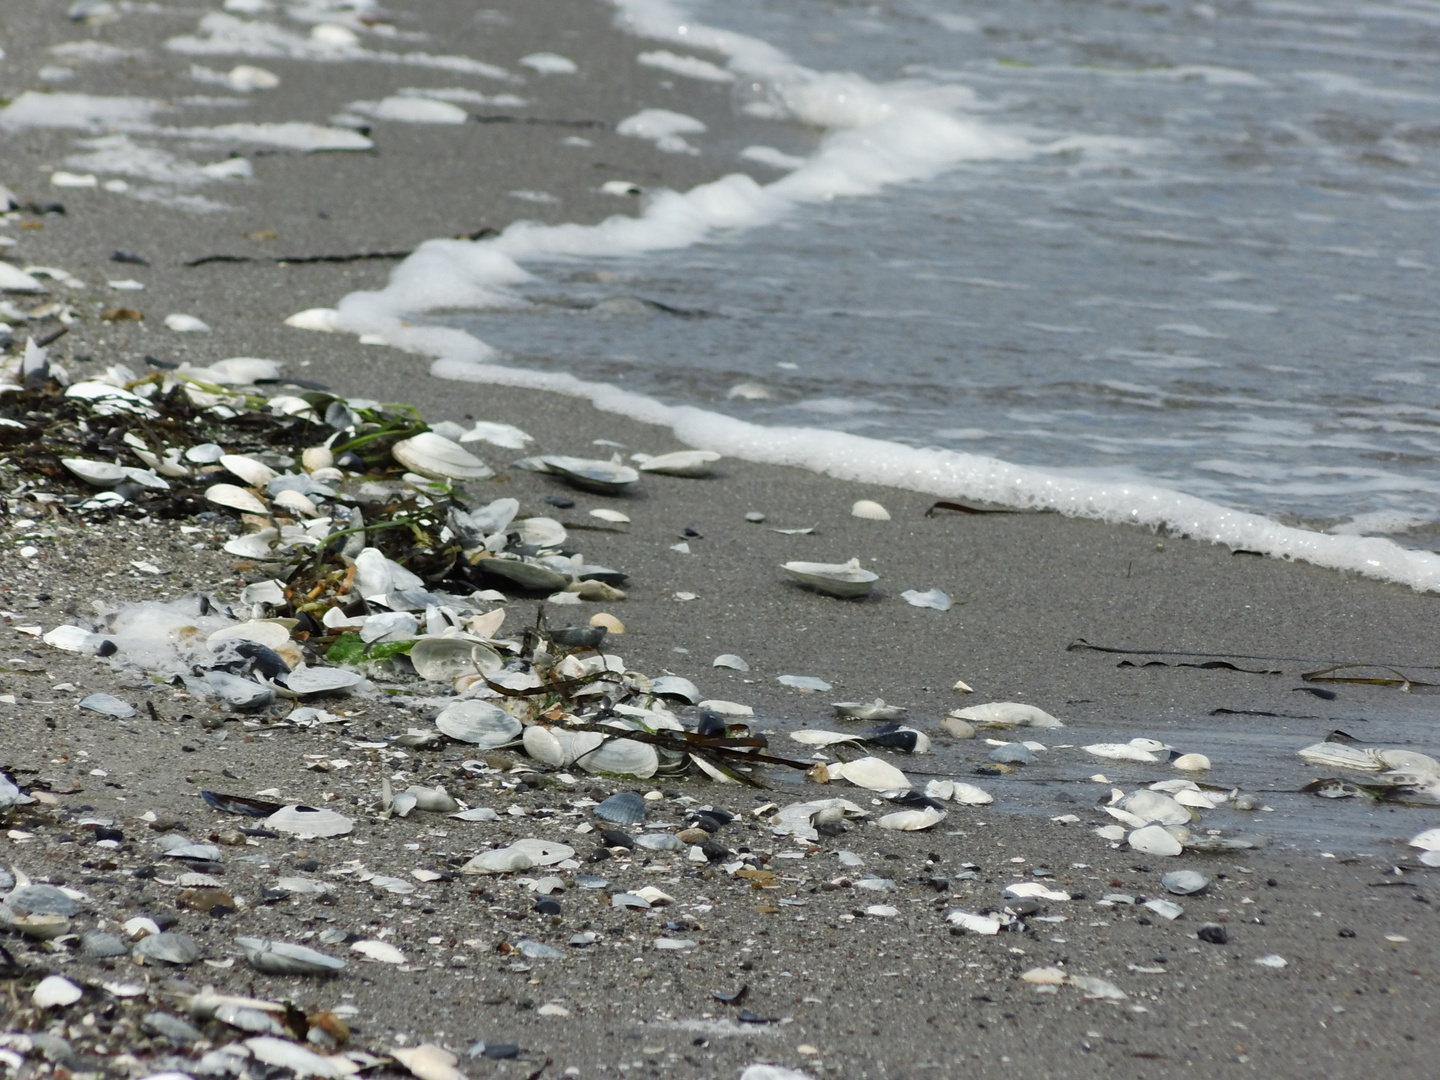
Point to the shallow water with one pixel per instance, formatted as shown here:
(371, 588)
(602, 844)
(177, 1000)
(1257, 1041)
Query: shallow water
(1233, 298)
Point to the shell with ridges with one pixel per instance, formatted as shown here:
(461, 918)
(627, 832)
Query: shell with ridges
(869, 510)
(440, 459)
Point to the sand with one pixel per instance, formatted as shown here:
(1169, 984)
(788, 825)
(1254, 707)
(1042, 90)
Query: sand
(847, 993)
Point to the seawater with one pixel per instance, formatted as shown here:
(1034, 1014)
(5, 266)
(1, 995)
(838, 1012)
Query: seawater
(1180, 256)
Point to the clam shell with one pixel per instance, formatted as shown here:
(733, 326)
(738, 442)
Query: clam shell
(912, 820)
(1155, 840)
(101, 474)
(317, 457)
(1122, 752)
(869, 510)
(297, 504)
(235, 498)
(440, 459)
(498, 861)
(860, 710)
(273, 635)
(621, 757)
(240, 694)
(687, 463)
(588, 474)
(615, 517)
(283, 958)
(1184, 882)
(428, 1062)
(479, 723)
(170, 948)
(55, 990)
(308, 681)
(549, 746)
(1007, 714)
(676, 686)
(285, 1054)
(445, 659)
(541, 532)
(523, 574)
(811, 737)
(1155, 807)
(954, 791)
(871, 773)
(987, 925)
(254, 473)
(381, 952)
(309, 821)
(845, 580)
(1191, 763)
(434, 800)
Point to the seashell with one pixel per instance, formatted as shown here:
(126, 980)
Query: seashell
(845, 580)
(870, 511)
(1184, 882)
(811, 737)
(540, 532)
(861, 710)
(428, 1062)
(283, 958)
(101, 474)
(871, 773)
(1135, 750)
(186, 324)
(434, 800)
(323, 320)
(687, 463)
(676, 686)
(621, 757)
(169, 948)
(109, 705)
(1007, 714)
(99, 945)
(55, 990)
(235, 498)
(550, 746)
(894, 737)
(1155, 807)
(1191, 763)
(503, 435)
(479, 723)
(254, 473)
(936, 599)
(603, 477)
(1409, 760)
(730, 660)
(912, 820)
(298, 504)
(267, 632)
(445, 659)
(604, 513)
(240, 694)
(624, 808)
(987, 925)
(284, 1054)
(1033, 890)
(1046, 976)
(308, 821)
(1166, 909)
(954, 791)
(308, 681)
(659, 842)
(498, 861)
(523, 574)
(1012, 754)
(317, 457)
(381, 952)
(1098, 989)
(1155, 840)
(439, 458)
(1429, 840)
(608, 621)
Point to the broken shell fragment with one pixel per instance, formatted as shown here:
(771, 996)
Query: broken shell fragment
(308, 821)
(845, 580)
(869, 511)
(687, 463)
(428, 1062)
(438, 458)
(912, 820)
(235, 498)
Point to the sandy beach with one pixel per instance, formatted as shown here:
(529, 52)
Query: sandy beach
(838, 979)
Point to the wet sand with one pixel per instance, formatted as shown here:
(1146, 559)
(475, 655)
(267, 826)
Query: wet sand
(851, 994)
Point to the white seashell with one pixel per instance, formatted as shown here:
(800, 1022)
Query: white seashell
(1184, 882)
(912, 820)
(55, 990)
(1098, 989)
(730, 660)
(302, 1062)
(74, 639)
(445, 659)
(588, 474)
(1155, 807)
(246, 77)
(237, 371)
(872, 773)
(261, 631)
(845, 580)
(255, 545)
(870, 511)
(525, 574)
(688, 463)
(550, 746)
(283, 958)
(306, 681)
(1047, 976)
(726, 708)
(317, 457)
(936, 599)
(440, 459)
(13, 279)
(428, 1062)
(604, 513)
(1191, 763)
(479, 723)
(101, 474)
(380, 951)
(1007, 714)
(236, 498)
(541, 532)
(1166, 909)
(1122, 752)
(822, 738)
(798, 819)
(186, 324)
(1155, 840)
(308, 821)
(868, 710)
(676, 686)
(1033, 890)
(954, 791)
(323, 320)
(1429, 840)
(498, 861)
(987, 925)
(621, 757)
(253, 472)
(504, 435)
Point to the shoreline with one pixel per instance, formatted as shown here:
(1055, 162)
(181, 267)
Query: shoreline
(850, 994)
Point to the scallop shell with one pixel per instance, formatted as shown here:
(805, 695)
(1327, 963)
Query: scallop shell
(101, 474)
(621, 757)
(588, 474)
(1008, 714)
(236, 498)
(688, 463)
(912, 820)
(440, 459)
(479, 723)
(846, 580)
(283, 958)
(624, 808)
(869, 510)
(872, 773)
(309, 821)
(445, 659)
(253, 472)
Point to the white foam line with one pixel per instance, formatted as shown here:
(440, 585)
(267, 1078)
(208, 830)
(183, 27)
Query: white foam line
(880, 135)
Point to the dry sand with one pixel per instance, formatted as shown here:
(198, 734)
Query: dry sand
(850, 994)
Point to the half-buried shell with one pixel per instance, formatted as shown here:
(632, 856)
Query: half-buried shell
(846, 580)
(309, 821)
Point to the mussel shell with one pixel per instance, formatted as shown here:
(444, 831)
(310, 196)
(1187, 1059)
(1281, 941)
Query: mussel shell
(478, 722)
(895, 737)
(623, 808)
(578, 637)
(520, 574)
